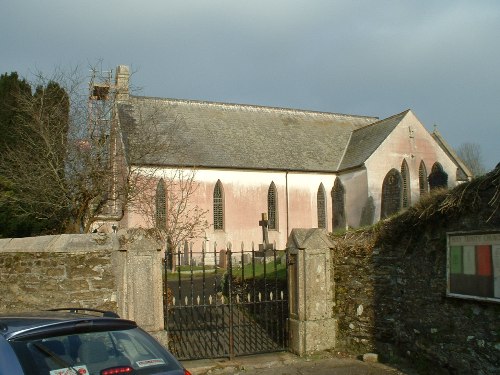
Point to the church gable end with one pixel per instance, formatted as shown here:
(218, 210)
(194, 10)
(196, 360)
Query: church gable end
(366, 140)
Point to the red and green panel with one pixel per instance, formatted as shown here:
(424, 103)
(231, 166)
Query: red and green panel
(474, 270)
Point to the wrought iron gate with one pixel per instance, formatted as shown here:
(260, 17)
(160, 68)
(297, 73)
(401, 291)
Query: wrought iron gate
(225, 304)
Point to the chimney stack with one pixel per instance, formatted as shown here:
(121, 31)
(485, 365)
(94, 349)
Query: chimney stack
(122, 78)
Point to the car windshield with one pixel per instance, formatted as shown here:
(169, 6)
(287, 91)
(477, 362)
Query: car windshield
(128, 351)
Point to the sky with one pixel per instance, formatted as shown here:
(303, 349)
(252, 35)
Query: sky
(441, 59)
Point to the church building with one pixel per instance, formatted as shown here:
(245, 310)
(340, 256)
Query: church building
(303, 169)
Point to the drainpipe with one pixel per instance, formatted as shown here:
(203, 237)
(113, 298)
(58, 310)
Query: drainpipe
(286, 187)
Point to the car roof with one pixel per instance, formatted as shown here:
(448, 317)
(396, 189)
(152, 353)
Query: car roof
(44, 323)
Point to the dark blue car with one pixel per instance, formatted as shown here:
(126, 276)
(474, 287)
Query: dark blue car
(80, 342)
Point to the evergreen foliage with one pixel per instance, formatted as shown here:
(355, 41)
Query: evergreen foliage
(63, 168)
(12, 88)
(25, 120)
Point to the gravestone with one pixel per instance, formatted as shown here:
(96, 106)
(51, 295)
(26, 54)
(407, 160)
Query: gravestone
(246, 258)
(223, 259)
(185, 254)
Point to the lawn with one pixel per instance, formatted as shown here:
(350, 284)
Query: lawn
(246, 272)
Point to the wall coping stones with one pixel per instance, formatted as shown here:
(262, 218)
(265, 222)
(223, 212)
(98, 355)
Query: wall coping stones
(60, 243)
(314, 238)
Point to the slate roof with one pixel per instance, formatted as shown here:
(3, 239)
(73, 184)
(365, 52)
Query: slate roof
(220, 135)
(364, 141)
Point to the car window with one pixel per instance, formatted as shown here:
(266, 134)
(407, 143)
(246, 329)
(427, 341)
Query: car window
(90, 353)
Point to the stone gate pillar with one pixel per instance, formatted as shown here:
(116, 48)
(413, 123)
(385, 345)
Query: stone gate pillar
(310, 288)
(140, 285)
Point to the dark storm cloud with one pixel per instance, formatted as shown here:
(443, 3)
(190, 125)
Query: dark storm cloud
(364, 57)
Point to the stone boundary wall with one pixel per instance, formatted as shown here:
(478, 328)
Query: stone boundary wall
(118, 272)
(38, 273)
(415, 318)
(353, 275)
(390, 287)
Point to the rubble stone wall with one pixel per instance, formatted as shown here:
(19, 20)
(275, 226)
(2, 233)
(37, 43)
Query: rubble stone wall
(354, 301)
(390, 285)
(57, 271)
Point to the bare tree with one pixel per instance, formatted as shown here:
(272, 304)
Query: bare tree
(470, 153)
(77, 167)
(166, 204)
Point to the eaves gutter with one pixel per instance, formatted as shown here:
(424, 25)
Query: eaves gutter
(225, 167)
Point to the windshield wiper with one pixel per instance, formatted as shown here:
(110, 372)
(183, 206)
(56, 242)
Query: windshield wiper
(60, 361)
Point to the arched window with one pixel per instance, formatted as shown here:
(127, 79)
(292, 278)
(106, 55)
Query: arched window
(338, 205)
(438, 177)
(392, 194)
(161, 205)
(218, 206)
(272, 207)
(321, 198)
(422, 179)
(405, 175)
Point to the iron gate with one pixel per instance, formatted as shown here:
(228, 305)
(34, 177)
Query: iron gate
(225, 304)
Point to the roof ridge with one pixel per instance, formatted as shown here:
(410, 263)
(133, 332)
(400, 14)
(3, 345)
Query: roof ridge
(341, 160)
(254, 107)
(402, 114)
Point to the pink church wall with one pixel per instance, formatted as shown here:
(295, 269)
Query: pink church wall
(356, 186)
(245, 191)
(410, 141)
(245, 199)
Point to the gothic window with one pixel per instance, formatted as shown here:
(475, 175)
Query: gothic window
(392, 194)
(422, 179)
(321, 198)
(438, 177)
(218, 206)
(405, 175)
(338, 205)
(272, 207)
(161, 205)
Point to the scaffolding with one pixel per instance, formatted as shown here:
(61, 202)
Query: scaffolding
(101, 97)
(101, 100)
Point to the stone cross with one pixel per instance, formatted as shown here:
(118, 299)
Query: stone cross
(265, 235)
(263, 223)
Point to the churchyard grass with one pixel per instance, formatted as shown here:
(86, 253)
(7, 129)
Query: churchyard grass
(248, 273)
